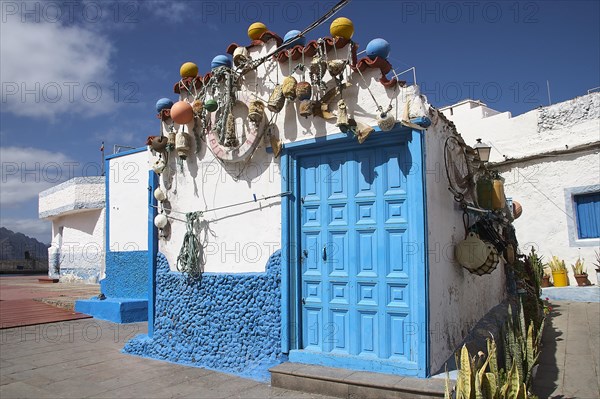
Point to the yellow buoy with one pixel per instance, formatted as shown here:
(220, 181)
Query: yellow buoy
(256, 30)
(342, 27)
(188, 70)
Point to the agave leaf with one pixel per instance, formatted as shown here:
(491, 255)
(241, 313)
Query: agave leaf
(492, 355)
(465, 375)
(447, 394)
(490, 386)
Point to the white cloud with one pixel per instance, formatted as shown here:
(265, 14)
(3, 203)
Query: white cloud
(49, 69)
(169, 11)
(26, 171)
(36, 228)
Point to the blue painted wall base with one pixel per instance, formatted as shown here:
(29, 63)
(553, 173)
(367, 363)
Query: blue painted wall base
(224, 322)
(117, 310)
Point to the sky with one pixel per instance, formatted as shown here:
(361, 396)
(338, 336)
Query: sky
(77, 73)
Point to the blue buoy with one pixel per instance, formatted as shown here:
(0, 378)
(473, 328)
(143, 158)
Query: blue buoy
(219, 61)
(163, 103)
(378, 48)
(291, 34)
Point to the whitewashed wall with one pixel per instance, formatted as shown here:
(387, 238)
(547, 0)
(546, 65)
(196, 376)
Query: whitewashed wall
(128, 181)
(241, 239)
(542, 186)
(457, 298)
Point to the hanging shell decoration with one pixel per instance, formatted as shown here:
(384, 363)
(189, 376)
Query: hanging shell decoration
(317, 68)
(159, 143)
(289, 88)
(256, 110)
(231, 139)
(306, 108)
(336, 67)
(182, 145)
(240, 56)
(342, 117)
(171, 141)
(304, 91)
(197, 107)
(386, 121)
(159, 166)
(276, 100)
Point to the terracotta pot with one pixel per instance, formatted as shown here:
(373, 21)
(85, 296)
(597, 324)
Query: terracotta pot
(582, 280)
(546, 282)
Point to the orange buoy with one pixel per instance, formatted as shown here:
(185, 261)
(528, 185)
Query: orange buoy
(182, 113)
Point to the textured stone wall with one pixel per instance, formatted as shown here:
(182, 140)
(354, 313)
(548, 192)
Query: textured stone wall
(126, 275)
(225, 322)
(570, 113)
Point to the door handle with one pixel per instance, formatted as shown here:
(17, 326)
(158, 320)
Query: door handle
(303, 301)
(324, 253)
(305, 253)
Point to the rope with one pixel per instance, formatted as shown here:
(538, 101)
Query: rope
(191, 253)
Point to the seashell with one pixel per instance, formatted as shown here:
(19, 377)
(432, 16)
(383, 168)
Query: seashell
(289, 87)
(318, 66)
(159, 166)
(256, 111)
(198, 107)
(231, 139)
(306, 108)
(240, 56)
(276, 100)
(182, 145)
(303, 91)
(342, 118)
(335, 67)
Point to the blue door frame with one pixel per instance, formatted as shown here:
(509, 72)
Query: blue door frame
(291, 279)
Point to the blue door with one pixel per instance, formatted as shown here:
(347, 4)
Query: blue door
(361, 271)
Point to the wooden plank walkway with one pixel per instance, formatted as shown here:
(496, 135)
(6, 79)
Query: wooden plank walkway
(27, 312)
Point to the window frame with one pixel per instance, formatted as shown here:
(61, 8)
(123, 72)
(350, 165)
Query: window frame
(571, 212)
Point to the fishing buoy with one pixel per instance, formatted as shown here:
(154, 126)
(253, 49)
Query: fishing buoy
(188, 70)
(159, 166)
(163, 103)
(182, 145)
(378, 48)
(159, 143)
(256, 30)
(292, 34)
(182, 112)
(342, 27)
(160, 221)
(160, 195)
(517, 209)
(219, 61)
(211, 105)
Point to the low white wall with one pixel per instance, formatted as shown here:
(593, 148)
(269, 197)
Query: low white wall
(80, 250)
(457, 298)
(128, 210)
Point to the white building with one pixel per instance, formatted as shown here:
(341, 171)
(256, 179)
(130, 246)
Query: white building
(550, 160)
(76, 210)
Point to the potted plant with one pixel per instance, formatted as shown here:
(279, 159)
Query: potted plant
(546, 278)
(540, 272)
(580, 273)
(559, 271)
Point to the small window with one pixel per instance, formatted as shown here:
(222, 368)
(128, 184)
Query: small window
(587, 210)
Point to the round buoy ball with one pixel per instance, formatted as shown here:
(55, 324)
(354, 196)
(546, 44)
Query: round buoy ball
(293, 33)
(182, 112)
(211, 105)
(188, 70)
(160, 221)
(163, 103)
(219, 61)
(256, 30)
(378, 48)
(342, 27)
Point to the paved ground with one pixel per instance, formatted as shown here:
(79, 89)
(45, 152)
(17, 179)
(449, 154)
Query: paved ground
(572, 293)
(569, 362)
(77, 359)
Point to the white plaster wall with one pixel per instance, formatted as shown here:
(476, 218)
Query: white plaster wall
(128, 202)
(458, 299)
(82, 243)
(241, 239)
(547, 220)
(540, 185)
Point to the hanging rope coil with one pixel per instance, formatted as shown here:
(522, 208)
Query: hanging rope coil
(191, 253)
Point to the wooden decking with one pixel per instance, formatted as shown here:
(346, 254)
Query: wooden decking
(27, 312)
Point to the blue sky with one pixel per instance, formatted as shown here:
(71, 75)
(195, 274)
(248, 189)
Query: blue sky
(77, 73)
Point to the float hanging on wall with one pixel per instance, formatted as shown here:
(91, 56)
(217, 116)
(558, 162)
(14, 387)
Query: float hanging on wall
(256, 30)
(342, 27)
(188, 70)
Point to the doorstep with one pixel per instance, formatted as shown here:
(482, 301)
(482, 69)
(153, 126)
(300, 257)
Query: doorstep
(344, 383)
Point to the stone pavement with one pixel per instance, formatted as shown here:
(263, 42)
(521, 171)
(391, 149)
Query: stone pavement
(82, 358)
(569, 365)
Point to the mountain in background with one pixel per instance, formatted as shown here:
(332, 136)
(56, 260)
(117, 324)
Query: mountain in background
(19, 246)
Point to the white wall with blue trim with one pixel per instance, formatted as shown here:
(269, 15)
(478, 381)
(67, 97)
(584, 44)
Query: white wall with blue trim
(256, 294)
